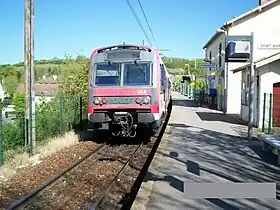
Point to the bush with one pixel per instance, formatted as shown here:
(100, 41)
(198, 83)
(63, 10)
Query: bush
(13, 135)
(53, 118)
(57, 117)
(18, 101)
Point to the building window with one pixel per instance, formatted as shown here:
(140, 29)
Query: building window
(220, 55)
(247, 80)
(245, 89)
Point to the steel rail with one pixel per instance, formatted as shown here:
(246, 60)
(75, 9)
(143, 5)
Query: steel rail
(105, 192)
(52, 180)
(155, 136)
(109, 187)
(100, 200)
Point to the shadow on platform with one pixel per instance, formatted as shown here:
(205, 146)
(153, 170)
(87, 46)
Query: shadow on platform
(222, 156)
(184, 103)
(229, 118)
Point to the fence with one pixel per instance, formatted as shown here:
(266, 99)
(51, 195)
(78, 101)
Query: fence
(53, 118)
(271, 113)
(205, 99)
(197, 94)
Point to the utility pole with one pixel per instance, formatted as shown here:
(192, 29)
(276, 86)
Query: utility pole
(29, 74)
(188, 73)
(195, 85)
(225, 78)
(251, 88)
(26, 68)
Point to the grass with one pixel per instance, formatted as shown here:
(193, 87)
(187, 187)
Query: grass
(45, 66)
(274, 130)
(19, 159)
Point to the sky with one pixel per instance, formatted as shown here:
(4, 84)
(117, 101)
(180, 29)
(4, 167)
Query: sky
(79, 26)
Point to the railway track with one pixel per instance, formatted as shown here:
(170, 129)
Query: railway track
(88, 182)
(20, 203)
(103, 195)
(63, 190)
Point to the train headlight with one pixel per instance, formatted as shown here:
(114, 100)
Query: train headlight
(147, 100)
(104, 100)
(100, 101)
(97, 101)
(138, 100)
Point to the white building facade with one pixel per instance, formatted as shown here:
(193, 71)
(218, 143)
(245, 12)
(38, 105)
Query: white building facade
(264, 22)
(267, 81)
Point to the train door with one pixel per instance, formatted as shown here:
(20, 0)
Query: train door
(166, 86)
(276, 105)
(162, 87)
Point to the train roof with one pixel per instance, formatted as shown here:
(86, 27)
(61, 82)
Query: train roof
(124, 46)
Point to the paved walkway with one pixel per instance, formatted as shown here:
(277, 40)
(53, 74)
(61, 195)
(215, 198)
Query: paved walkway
(201, 145)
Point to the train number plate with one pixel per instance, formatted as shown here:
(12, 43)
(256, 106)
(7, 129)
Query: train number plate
(121, 100)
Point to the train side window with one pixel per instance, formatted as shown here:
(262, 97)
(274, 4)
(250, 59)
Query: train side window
(162, 73)
(151, 74)
(163, 77)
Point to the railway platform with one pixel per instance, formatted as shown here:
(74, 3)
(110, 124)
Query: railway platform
(204, 146)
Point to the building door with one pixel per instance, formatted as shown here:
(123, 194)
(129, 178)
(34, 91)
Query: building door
(276, 105)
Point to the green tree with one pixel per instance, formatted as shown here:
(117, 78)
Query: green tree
(73, 77)
(18, 101)
(10, 84)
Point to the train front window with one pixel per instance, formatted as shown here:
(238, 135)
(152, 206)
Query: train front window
(107, 75)
(137, 74)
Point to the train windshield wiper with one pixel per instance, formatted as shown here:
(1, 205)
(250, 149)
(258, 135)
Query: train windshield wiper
(110, 63)
(136, 62)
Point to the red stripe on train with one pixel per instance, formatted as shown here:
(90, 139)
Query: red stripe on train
(121, 92)
(153, 108)
(121, 106)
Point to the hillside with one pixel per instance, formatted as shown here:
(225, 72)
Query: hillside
(13, 74)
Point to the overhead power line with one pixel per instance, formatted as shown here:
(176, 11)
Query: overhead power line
(138, 21)
(143, 12)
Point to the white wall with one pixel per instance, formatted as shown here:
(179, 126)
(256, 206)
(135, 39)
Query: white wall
(269, 74)
(214, 49)
(40, 99)
(266, 28)
(267, 31)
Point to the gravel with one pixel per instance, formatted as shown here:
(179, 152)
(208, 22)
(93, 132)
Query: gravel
(78, 187)
(31, 177)
(123, 193)
(81, 186)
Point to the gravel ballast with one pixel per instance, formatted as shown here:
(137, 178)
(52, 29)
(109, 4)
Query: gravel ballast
(32, 176)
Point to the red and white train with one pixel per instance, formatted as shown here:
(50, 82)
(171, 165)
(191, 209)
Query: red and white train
(128, 86)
